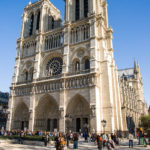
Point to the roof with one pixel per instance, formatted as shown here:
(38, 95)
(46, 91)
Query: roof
(129, 73)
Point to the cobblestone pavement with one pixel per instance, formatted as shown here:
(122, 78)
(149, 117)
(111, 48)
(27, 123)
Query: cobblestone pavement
(82, 146)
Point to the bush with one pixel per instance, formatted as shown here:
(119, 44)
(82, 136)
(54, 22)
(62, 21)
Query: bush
(28, 137)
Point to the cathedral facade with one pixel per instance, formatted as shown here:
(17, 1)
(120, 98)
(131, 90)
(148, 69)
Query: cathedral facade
(65, 77)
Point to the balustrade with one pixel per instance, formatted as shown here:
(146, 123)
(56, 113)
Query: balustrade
(59, 84)
(23, 91)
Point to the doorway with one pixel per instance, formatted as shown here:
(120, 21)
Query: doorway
(48, 124)
(78, 124)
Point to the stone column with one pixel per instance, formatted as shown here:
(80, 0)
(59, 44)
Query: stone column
(32, 111)
(93, 46)
(93, 125)
(61, 120)
(66, 49)
(10, 110)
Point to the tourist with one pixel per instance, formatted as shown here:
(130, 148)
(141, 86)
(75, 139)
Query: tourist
(110, 144)
(21, 137)
(130, 140)
(99, 142)
(46, 139)
(67, 138)
(145, 142)
(86, 136)
(57, 142)
(62, 141)
(75, 141)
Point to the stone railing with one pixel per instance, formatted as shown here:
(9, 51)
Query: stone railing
(22, 80)
(77, 72)
(49, 77)
(23, 90)
(71, 82)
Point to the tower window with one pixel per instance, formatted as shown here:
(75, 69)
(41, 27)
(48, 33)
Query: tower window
(87, 64)
(38, 21)
(26, 75)
(86, 8)
(53, 23)
(31, 25)
(77, 10)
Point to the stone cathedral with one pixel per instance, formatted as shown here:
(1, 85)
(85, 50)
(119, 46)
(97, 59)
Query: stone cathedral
(65, 77)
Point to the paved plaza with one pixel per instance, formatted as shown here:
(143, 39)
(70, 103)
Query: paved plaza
(82, 146)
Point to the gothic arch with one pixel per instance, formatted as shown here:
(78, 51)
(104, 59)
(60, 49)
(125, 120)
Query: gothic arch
(21, 116)
(80, 53)
(27, 64)
(46, 114)
(78, 111)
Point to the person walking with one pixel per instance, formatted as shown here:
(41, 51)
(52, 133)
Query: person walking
(99, 142)
(130, 140)
(110, 144)
(67, 138)
(57, 142)
(46, 140)
(21, 137)
(75, 141)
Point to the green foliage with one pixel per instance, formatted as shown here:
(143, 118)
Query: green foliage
(145, 122)
(29, 138)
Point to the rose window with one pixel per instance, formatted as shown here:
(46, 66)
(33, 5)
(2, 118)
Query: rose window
(54, 66)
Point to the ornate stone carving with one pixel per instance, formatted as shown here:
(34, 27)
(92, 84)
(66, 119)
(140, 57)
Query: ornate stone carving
(61, 112)
(80, 53)
(93, 110)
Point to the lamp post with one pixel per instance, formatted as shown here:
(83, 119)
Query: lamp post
(104, 122)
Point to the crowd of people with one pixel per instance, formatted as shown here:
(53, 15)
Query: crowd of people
(62, 140)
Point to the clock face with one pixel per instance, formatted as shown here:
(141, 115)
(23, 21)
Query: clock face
(54, 66)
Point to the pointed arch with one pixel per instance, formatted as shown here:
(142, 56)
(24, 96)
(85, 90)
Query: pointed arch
(78, 110)
(46, 114)
(21, 116)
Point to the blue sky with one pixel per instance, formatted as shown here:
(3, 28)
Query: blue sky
(130, 20)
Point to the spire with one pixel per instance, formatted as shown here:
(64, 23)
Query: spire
(135, 66)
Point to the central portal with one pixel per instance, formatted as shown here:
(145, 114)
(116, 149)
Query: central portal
(78, 111)
(46, 115)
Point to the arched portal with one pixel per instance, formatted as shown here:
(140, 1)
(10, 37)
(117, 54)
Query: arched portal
(46, 114)
(21, 117)
(78, 114)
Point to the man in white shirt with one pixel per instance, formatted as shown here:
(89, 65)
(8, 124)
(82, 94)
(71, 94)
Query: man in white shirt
(131, 140)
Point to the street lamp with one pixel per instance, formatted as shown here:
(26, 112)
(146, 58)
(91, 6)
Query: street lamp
(104, 124)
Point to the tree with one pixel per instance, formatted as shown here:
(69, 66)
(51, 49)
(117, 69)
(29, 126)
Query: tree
(145, 124)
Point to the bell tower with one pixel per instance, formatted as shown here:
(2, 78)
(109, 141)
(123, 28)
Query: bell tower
(79, 9)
